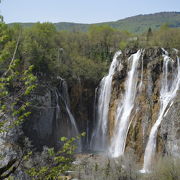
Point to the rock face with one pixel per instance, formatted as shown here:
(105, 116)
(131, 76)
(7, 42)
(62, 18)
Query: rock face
(57, 108)
(82, 97)
(51, 116)
(170, 129)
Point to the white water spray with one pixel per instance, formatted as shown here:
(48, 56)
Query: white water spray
(168, 91)
(99, 137)
(124, 109)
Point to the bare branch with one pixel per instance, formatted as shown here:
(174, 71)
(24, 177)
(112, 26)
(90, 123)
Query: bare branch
(14, 54)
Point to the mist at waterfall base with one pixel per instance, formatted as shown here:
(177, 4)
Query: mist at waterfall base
(115, 146)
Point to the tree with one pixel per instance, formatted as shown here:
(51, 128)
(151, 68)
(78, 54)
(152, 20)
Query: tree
(149, 34)
(39, 47)
(101, 38)
(166, 37)
(16, 84)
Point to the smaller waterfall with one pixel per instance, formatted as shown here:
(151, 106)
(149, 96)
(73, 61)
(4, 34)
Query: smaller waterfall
(124, 109)
(168, 91)
(64, 96)
(99, 137)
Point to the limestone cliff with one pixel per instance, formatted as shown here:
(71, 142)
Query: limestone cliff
(55, 105)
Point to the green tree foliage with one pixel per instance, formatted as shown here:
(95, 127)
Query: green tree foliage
(69, 54)
(149, 34)
(84, 55)
(104, 41)
(56, 164)
(165, 37)
(6, 46)
(101, 38)
(14, 88)
(38, 46)
(16, 83)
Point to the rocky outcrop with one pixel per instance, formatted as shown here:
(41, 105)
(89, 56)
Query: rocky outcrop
(50, 118)
(82, 96)
(170, 129)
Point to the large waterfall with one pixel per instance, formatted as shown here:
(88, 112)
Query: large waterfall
(169, 85)
(99, 137)
(125, 106)
(132, 99)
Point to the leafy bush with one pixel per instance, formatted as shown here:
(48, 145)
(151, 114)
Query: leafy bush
(51, 165)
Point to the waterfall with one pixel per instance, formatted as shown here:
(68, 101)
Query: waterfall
(137, 83)
(62, 95)
(99, 137)
(124, 108)
(169, 87)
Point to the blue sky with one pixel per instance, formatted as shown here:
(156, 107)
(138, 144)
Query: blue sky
(81, 11)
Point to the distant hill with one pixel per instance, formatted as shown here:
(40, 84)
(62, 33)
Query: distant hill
(135, 24)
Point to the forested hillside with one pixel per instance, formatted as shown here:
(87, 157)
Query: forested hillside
(140, 23)
(78, 54)
(135, 24)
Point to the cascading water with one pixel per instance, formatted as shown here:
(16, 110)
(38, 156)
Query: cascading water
(137, 103)
(99, 137)
(170, 85)
(124, 109)
(64, 96)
